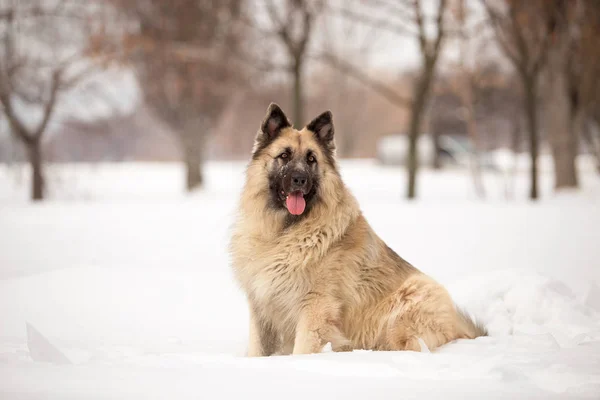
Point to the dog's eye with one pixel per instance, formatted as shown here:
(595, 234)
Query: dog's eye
(311, 159)
(283, 155)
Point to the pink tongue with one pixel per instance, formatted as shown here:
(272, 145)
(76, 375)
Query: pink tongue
(295, 203)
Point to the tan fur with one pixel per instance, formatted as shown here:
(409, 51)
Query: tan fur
(329, 277)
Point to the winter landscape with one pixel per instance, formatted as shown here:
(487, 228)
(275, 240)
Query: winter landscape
(468, 130)
(130, 280)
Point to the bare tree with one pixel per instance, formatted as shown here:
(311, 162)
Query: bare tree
(291, 24)
(430, 51)
(45, 49)
(469, 76)
(584, 72)
(524, 41)
(403, 18)
(445, 117)
(184, 54)
(562, 135)
(570, 80)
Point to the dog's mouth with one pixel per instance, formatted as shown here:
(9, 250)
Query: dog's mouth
(295, 202)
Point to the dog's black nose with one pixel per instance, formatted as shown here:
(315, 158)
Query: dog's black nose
(299, 179)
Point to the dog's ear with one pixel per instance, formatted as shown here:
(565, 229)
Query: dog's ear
(322, 127)
(270, 128)
(274, 122)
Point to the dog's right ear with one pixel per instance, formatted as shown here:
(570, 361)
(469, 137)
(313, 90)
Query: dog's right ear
(274, 122)
(270, 128)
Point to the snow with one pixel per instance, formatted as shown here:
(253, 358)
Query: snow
(129, 279)
(40, 348)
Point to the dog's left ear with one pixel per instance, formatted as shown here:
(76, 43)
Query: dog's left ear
(322, 127)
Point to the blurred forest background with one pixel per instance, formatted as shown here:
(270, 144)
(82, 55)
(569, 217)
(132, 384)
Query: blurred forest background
(420, 83)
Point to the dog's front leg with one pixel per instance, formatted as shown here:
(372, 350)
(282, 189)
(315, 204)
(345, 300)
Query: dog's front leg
(318, 324)
(263, 340)
(254, 345)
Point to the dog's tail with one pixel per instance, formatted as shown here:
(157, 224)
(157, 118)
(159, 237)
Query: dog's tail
(471, 328)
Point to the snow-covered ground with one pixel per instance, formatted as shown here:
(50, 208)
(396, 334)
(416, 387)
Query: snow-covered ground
(129, 278)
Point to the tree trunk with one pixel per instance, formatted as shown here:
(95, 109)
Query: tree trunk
(516, 148)
(529, 86)
(437, 162)
(562, 118)
(34, 152)
(564, 153)
(416, 119)
(474, 157)
(193, 167)
(347, 143)
(298, 97)
(413, 138)
(192, 133)
(592, 133)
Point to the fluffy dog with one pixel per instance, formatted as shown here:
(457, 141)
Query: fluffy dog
(312, 268)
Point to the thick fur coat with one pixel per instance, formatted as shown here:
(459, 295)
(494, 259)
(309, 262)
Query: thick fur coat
(311, 266)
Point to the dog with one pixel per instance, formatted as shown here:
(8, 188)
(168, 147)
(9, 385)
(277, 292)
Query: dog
(313, 270)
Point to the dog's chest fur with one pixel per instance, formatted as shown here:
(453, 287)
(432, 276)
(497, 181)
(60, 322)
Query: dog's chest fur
(278, 273)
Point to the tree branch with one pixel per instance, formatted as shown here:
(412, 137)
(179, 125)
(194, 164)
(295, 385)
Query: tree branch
(306, 31)
(540, 59)
(441, 27)
(16, 125)
(421, 26)
(281, 28)
(50, 105)
(495, 21)
(362, 77)
(379, 23)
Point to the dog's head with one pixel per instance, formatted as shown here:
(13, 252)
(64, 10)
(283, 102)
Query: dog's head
(296, 161)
